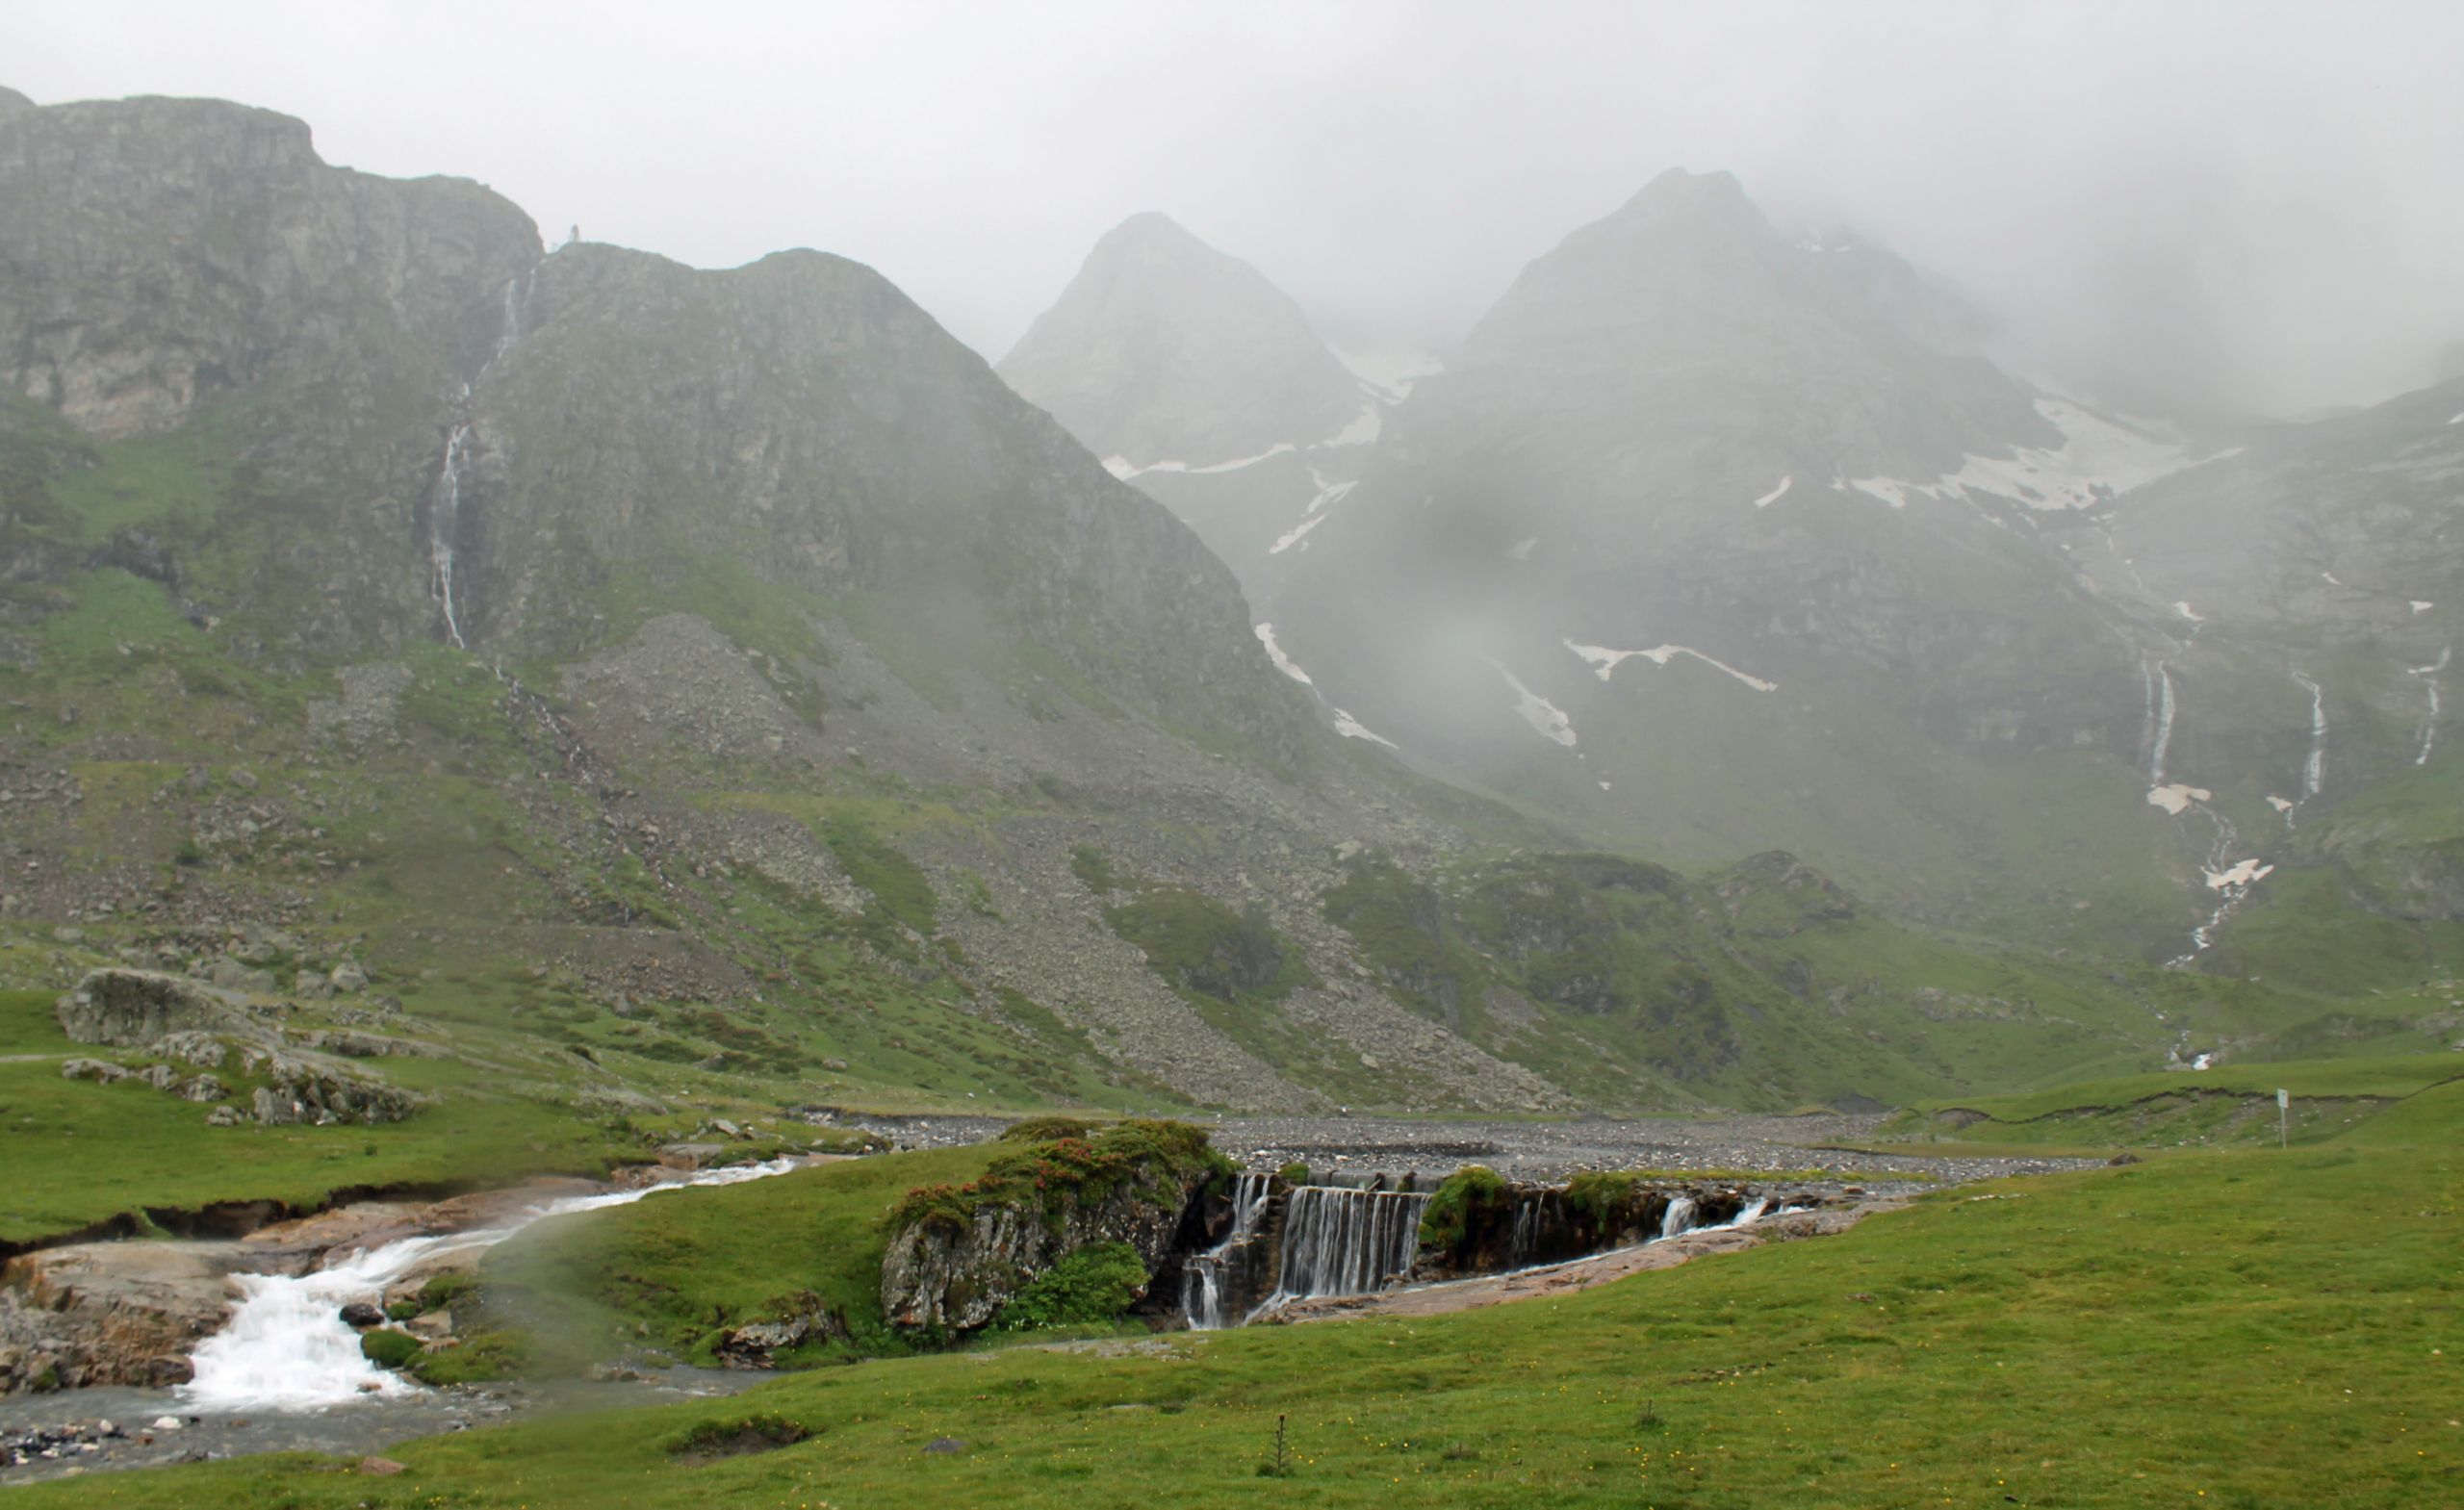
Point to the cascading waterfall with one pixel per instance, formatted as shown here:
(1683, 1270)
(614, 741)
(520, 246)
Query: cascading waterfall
(285, 1347)
(2429, 679)
(1345, 1242)
(1679, 1217)
(2161, 740)
(443, 515)
(1202, 1274)
(2314, 771)
(445, 501)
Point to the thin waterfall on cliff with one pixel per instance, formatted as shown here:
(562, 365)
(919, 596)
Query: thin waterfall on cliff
(2430, 721)
(1202, 1275)
(1346, 1242)
(445, 503)
(444, 513)
(2314, 770)
(2161, 738)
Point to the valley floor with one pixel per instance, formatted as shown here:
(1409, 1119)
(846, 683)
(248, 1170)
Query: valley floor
(2245, 1328)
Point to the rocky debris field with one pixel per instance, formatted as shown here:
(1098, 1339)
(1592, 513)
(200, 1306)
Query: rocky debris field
(1539, 1152)
(1553, 1152)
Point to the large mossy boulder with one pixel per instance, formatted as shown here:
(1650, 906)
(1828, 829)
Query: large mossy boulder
(138, 1009)
(959, 1254)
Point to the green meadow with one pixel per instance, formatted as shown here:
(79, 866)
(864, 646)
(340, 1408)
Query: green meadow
(2232, 1326)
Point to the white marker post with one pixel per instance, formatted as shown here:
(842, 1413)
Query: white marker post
(2282, 1101)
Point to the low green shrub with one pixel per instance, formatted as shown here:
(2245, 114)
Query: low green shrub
(1445, 1223)
(1095, 1283)
(387, 1348)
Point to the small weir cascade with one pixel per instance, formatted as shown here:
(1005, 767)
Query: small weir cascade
(1278, 1244)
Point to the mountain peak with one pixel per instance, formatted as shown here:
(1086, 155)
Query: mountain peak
(11, 101)
(1678, 199)
(1163, 348)
(1154, 228)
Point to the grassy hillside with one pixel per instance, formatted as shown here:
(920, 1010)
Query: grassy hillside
(2232, 1103)
(2200, 1329)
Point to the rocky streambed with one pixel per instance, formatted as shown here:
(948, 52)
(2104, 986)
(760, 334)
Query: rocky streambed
(1814, 1147)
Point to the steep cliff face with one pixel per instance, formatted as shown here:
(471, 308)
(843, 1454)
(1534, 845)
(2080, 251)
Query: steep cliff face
(802, 417)
(724, 673)
(160, 253)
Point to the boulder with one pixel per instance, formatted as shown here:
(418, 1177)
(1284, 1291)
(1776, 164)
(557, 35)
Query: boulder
(232, 975)
(319, 1096)
(348, 977)
(363, 1316)
(141, 1009)
(101, 1071)
(117, 1313)
(200, 1088)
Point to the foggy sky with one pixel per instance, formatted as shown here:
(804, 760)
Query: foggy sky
(2233, 203)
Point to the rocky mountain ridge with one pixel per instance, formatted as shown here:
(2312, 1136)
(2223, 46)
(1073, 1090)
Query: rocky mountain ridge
(718, 685)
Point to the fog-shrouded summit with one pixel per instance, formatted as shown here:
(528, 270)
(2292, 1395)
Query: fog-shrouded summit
(1717, 536)
(1163, 348)
(1710, 353)
(11, 101)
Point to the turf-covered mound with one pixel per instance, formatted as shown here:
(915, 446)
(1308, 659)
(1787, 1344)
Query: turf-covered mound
(960, 1254)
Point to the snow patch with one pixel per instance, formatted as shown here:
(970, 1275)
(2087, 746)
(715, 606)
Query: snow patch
(1543, 716)
(1362, 430)
(2183, 609)
(2098, 457)
(1345, 725)
(2329, 578)
(1282, 662)
(1776, 494)
(1603, 787)
(1124, 468)
(2279, 803)
(1351, 728)
(1520, 550)
(1293, 536)
(1606, 661)
(2177, 797)
(2240, 873)
(1387, 372)
(2420, 606)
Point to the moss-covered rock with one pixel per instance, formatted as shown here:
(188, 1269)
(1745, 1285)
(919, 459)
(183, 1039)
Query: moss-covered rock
(959, 1254)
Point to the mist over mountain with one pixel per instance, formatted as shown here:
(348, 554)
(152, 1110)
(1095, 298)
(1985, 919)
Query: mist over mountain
(1164, 350)
(573, 818)
(1707, 526)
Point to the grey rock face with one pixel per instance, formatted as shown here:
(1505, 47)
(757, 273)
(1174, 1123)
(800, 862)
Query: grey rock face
(140, 1009)
(958, 1279)
(163, 251)
(1163, 348)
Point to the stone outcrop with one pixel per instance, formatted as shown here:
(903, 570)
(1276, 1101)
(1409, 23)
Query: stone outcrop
(141, 1008)
(115, 1312)
(199, 1024)
(958, 1254)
